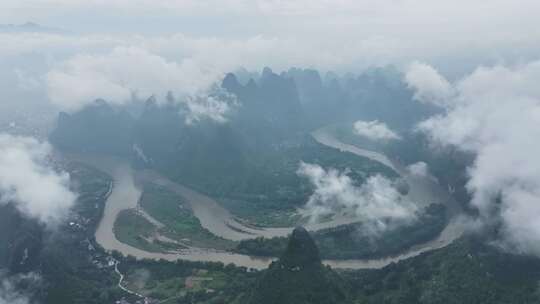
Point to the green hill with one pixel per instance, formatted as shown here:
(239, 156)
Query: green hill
(467, 271)
(299, 277)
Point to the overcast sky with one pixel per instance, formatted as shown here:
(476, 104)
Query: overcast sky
(116, 48)
(357, 18)
(357, 31)
(113, 48)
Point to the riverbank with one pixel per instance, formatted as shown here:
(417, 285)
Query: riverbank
(216, 219)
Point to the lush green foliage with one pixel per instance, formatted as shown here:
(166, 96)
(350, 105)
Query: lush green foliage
(135, 230)
(249, 163)
(266, 181)
(98, 128)
(188, 282)
(66, 261)
(350, 242)
(468, 271)
(299, 277)
(447, 165)
(18, 235)
(175, 213)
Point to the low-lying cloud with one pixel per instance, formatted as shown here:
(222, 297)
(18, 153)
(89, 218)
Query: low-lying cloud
(376, 202)
(495, 113)
(26, 180)
(419, 169)
(428, 85)
(73, 69)
(374, 130)
(10, 293)
(131, 72)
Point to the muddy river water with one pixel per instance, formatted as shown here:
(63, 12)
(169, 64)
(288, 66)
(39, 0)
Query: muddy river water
(125, 193)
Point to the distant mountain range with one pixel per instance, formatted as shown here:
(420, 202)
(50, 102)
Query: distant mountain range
(29, 27)
(265, 136)
(273, 108)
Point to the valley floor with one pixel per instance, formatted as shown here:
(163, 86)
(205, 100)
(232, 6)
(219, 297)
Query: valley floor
(202, 230)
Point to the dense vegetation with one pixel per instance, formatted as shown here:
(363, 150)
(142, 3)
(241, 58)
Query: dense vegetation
(467, 271)
(350, 242)
(67, 257)
(271, 182)
(180, 224)
(96, 129)
(188, 282)
(299, 277)
(448, 165)
(250, 162)
(63, 258)
(18, 235)
(74, 269)
(251, 178)
(135, 230)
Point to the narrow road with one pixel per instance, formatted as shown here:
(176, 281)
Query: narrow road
(122, 279)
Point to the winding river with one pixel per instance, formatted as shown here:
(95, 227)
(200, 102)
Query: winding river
(125, 194)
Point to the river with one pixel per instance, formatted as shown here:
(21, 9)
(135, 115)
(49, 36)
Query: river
(126, 192)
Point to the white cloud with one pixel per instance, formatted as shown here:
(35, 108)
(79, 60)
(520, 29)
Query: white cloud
(9, 294)
(374, 130)
(419, 169)
(429, 85)
(342, 34)
(318, 36)
(376, 202)
(131, 71)
(26, 180)
(496, 115)
(119, 74)
(211, 107)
